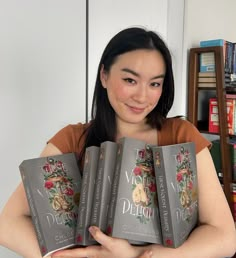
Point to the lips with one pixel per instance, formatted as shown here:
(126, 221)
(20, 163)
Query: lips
(136, 110)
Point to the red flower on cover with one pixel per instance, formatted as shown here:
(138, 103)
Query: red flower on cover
(137, 171)
(190, 185)
(179, 158)
(48, 184)
(47, 168)
(141, 154)
(59, 163)
(69, 191)
(109, 230)
(169, 242)
(152, 187)
(79, 238)
(179, 177)
(43, 249)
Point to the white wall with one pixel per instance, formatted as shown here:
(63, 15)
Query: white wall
(42, 80)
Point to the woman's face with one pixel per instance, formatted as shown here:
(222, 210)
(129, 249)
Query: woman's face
(134, 84)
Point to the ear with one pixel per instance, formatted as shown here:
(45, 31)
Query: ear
(103, 77)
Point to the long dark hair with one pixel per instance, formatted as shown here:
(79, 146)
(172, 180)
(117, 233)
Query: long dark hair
(103, 124)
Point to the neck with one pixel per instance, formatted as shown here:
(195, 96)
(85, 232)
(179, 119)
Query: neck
(141, 131)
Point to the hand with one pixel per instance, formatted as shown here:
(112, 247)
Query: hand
(110, 247)
(146, 254)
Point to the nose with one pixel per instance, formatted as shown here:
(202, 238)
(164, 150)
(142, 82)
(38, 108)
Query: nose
(140, 95)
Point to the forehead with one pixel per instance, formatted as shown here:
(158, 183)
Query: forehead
(141, 60)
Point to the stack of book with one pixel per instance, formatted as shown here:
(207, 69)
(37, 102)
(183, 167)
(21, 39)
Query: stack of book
(130, 190)
(207, 76)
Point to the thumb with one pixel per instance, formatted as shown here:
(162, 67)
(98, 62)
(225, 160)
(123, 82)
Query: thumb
(99, 236)
(146, 254)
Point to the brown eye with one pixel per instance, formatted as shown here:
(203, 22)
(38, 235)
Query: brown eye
(129, 80)
(155, 84)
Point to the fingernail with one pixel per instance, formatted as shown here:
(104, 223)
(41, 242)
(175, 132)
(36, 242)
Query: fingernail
(149, 253)
(92, 230)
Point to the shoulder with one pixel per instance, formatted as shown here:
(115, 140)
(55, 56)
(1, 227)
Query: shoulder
(70, 138)
(178, 130)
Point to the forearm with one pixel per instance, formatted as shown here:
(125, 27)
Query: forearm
(19, 236)
(205, 241)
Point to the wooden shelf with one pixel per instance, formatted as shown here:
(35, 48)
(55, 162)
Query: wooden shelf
(193, 92)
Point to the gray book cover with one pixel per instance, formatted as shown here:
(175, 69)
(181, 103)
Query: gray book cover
(52, 185)
(133, 211)
(86, 198)
(104, 178)
(176, 179)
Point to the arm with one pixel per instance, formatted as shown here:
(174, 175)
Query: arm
(215, 237)
(16, 229)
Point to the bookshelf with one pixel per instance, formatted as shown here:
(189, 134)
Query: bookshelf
(220, 92)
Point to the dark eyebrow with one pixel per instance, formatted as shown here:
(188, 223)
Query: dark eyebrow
(136, 74)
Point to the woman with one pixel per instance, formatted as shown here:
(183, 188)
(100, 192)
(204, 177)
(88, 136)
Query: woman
(133, 94)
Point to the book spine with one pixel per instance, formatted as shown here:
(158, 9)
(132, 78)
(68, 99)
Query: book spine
(97, 194)
(212, 42)
(85, 204)
(115, 183)
(104, 179)
(163, 199)
(34, 215)
(234, 58)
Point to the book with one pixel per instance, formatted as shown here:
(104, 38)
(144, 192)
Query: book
(104, 178)
(234, 200)
(206, 74)
(86, 198)
(216, 156)
(206, 84)
(207, 60)
(207, 79)
(213, 126)
(176, 180)
(212, 42)
(52, 186)
(133, 211)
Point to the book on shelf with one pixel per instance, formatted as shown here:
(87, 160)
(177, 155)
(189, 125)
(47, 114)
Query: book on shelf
(234, 200)
(86, 197)
(52, 186)
(212, 42)
(104, 178)
(206, 84)
(207, 60)
(177, 188)
(133, 211)
(207, 79)
(206, 74)
(216, 157)
(214, 116)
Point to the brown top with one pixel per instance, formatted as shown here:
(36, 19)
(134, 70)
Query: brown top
(174, 130)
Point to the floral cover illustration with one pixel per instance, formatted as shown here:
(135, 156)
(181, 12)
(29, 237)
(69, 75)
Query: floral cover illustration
(144, 184)
(59, 187)
(185, 181)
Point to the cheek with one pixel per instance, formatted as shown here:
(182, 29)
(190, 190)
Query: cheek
(154, 97)
(118, 92)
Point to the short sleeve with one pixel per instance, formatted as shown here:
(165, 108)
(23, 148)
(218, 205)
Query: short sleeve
(177, 130)
(69, 138)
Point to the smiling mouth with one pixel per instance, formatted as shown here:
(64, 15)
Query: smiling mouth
(136, 109)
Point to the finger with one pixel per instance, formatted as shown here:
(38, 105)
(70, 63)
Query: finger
(146, 254)
(99, 236)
